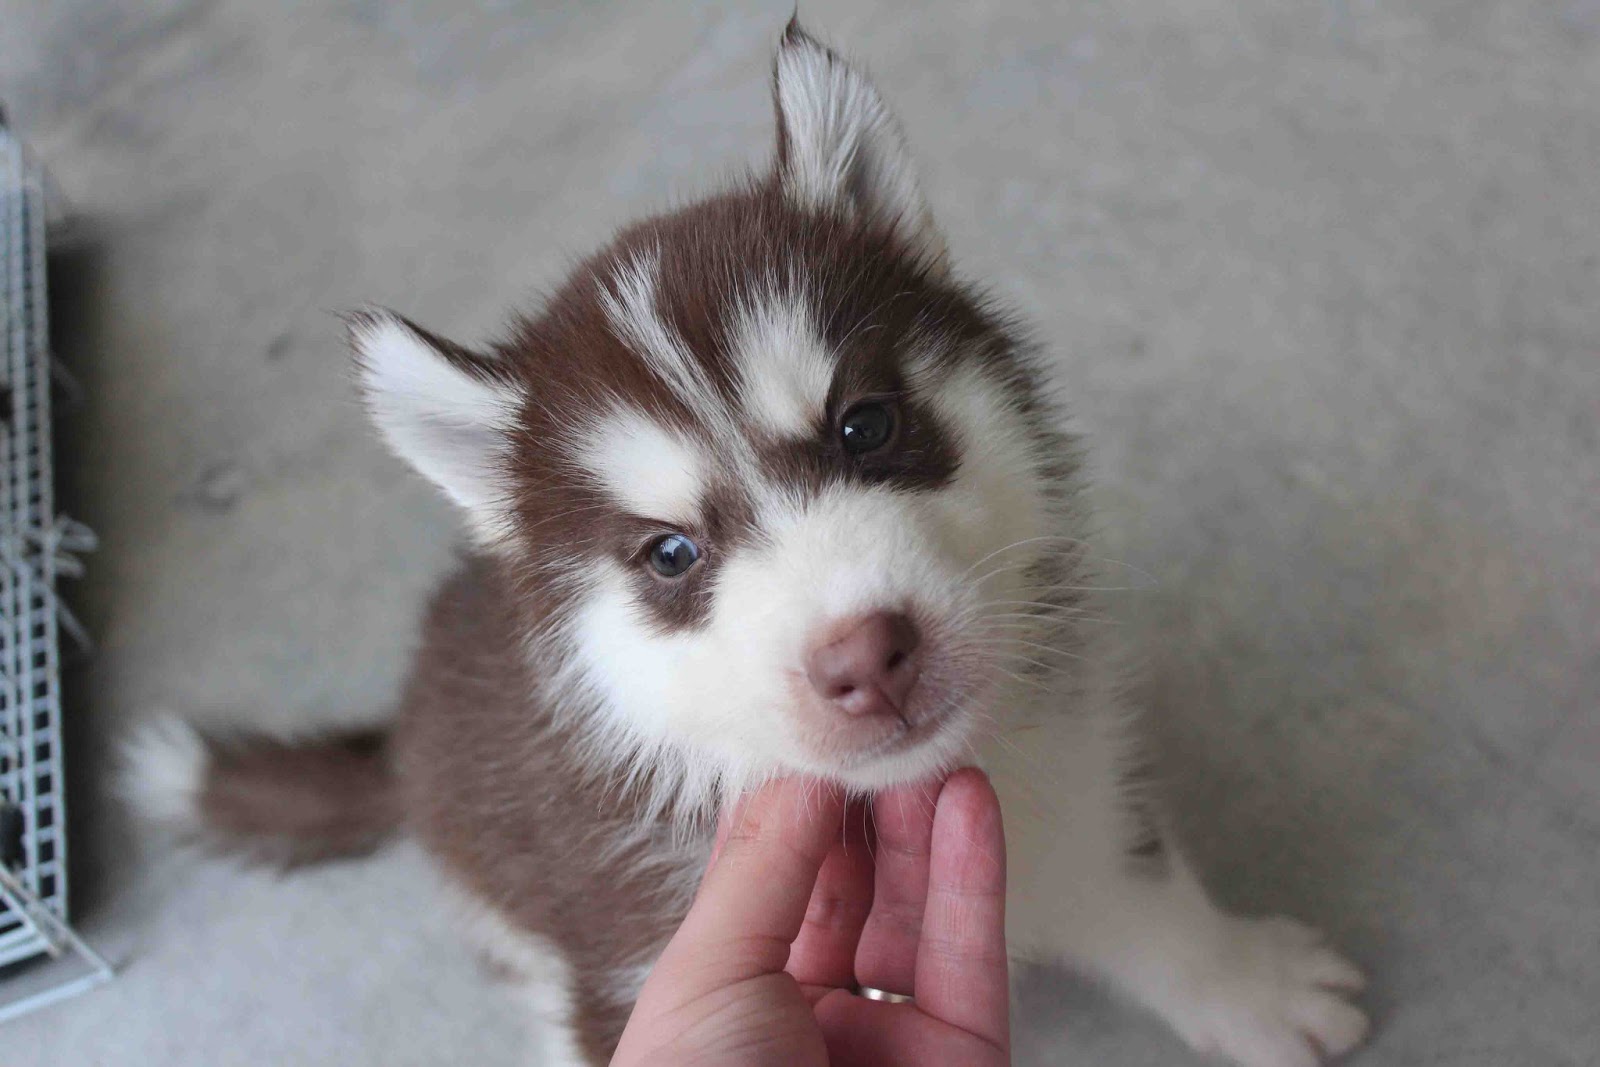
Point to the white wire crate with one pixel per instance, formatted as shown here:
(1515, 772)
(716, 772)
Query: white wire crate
(35, 544)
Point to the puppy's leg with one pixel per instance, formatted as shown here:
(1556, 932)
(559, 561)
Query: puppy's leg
(1095, 883)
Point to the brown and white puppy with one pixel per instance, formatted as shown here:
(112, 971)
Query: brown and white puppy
(764, 488)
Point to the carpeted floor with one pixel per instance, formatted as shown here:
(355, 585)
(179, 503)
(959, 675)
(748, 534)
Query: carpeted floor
(1325, 278)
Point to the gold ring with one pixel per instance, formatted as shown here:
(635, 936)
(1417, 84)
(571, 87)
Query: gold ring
(868, 993)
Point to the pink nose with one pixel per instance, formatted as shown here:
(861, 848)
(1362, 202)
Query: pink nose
(868, 665)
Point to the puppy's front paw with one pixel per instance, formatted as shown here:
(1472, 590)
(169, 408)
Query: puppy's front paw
(1277, 996)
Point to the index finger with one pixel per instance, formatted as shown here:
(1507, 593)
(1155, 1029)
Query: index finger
(753, 899)
(961, 959)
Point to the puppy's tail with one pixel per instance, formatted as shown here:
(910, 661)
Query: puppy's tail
(283, 803)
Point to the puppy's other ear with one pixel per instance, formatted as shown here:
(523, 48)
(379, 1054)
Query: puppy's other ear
(840, 149)
(442, 408)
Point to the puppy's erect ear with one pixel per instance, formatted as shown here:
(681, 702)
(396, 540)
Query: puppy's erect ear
(839, 148)
(443, 409)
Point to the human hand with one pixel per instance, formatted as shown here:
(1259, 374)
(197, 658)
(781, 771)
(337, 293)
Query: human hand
(794, 913)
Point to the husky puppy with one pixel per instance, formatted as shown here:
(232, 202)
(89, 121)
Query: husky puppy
(765, 487)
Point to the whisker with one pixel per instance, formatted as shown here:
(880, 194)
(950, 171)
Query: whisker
(1018, 544)
(1023, 661)
(1002, 644)
(1027, 616)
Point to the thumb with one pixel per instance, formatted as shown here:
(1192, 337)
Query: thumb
(753, 900)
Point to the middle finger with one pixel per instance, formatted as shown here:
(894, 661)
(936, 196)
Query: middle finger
(823, 953)
(887, 956)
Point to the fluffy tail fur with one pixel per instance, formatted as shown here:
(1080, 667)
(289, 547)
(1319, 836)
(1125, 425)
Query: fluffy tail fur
(284, 803)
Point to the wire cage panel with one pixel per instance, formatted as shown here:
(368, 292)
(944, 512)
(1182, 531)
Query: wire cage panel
(34, 544)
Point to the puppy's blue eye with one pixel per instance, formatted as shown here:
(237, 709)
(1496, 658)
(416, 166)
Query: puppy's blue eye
(673, 554)
(866, 428)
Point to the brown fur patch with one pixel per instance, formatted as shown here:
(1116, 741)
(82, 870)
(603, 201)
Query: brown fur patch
(493, 790)
(290, 804)
(1146, 849)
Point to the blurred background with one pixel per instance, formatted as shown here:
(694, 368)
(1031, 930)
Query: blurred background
(1324, 280)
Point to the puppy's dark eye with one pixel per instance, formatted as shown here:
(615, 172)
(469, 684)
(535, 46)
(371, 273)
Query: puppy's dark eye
(866, 428)
(673, 554)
